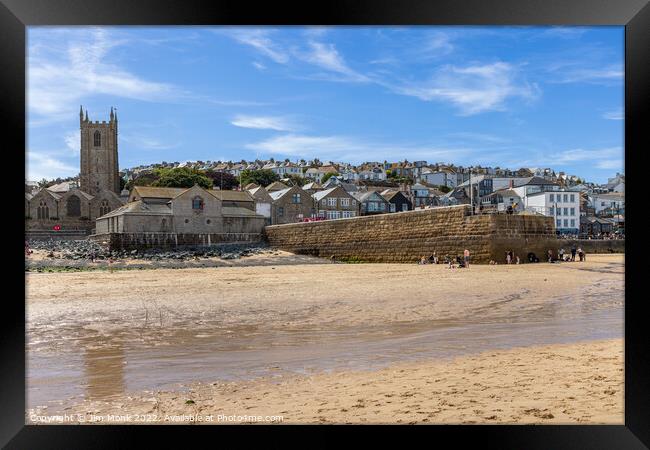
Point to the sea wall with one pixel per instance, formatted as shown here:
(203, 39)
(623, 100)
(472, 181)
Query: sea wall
(406, 236)
(140, 241)
(595, 245)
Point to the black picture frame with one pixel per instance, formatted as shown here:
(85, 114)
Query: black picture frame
(15, 15)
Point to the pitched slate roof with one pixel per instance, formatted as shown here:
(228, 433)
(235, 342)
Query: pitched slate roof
(139, 207)
(232, 196)
(158, 192)
(276, 195)
(320, 194)
(276, 186)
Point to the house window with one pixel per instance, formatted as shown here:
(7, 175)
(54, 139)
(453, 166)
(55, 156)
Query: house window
(354, 203)
(295, 198)
(331, 201)
(602, 203)
(345, 202)
(392, 207)
(559, 211)
(573, 197)
(552, 211)
(405, 207)
(197, 204)
(97, 139)
(566, 212)
(558, 223)
(321, 213)
(551, 197)
(281, 211)
(566, 223)
(566, 198)
(573, 223)
(573, 211)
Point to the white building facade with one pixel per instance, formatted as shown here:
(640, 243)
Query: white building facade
(564, 206)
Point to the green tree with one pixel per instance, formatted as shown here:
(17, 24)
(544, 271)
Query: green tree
(329, 175)
(444, 189)
(182, 177)
(222, 180)
(261, 177)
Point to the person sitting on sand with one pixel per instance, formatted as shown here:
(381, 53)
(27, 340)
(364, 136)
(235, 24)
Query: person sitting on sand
(423, 260)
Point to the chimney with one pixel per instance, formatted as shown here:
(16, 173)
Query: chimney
(511, 184)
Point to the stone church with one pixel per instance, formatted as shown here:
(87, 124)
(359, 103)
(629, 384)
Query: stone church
(70, 207)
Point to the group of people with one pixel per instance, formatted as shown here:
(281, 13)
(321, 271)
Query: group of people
(567, 257)
(511, 258)
(452, 262)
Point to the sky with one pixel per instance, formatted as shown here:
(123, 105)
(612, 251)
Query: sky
(505, 97)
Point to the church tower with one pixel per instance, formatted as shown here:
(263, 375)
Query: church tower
(99, 164)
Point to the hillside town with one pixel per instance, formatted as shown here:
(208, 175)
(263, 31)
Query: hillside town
(315, 190)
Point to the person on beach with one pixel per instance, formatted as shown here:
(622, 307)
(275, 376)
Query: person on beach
(507, 257)
(466, 257)
(550, 256)
(423, 260)
(580, 254)
(28, 251)
(518, 260)
(573, 252)
(561, 253)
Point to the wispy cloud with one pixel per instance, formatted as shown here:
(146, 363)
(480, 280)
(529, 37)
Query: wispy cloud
(264, 123)
(472, 89)
(43, 164)
(346, 148)
(572, 72)
(260, 40)
(60, 76)
(616, 114)
(327, 57)
(73, 141)
(143, 142)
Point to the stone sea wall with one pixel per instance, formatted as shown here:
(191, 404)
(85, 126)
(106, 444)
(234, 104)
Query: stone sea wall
(140, 241)
(406, 236)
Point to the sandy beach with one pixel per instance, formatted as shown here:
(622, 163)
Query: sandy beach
(334, 343)
(558, 384)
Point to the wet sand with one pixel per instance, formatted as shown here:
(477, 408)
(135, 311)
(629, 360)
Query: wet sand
(558, 384)
(96, 337)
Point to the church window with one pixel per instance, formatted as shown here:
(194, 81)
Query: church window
(73, 206)
(43, 212)
(104, 208)
(197, 204)
(97, 138)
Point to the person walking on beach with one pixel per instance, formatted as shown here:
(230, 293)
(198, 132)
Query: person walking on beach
(466, 255)
(581, 255)
(508, 258)
(573, 252)
(550, 256)
(561, 253)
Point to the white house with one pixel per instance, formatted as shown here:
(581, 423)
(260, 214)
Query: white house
(611, 201)
(440, 178)
(563, 205)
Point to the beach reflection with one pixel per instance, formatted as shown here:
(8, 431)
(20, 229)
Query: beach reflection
(103, 369)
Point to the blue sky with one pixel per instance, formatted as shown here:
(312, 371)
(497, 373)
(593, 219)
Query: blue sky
(500, 96)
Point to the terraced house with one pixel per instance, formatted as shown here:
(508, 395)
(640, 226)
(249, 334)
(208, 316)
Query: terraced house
(291, 205)
(335, 203)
